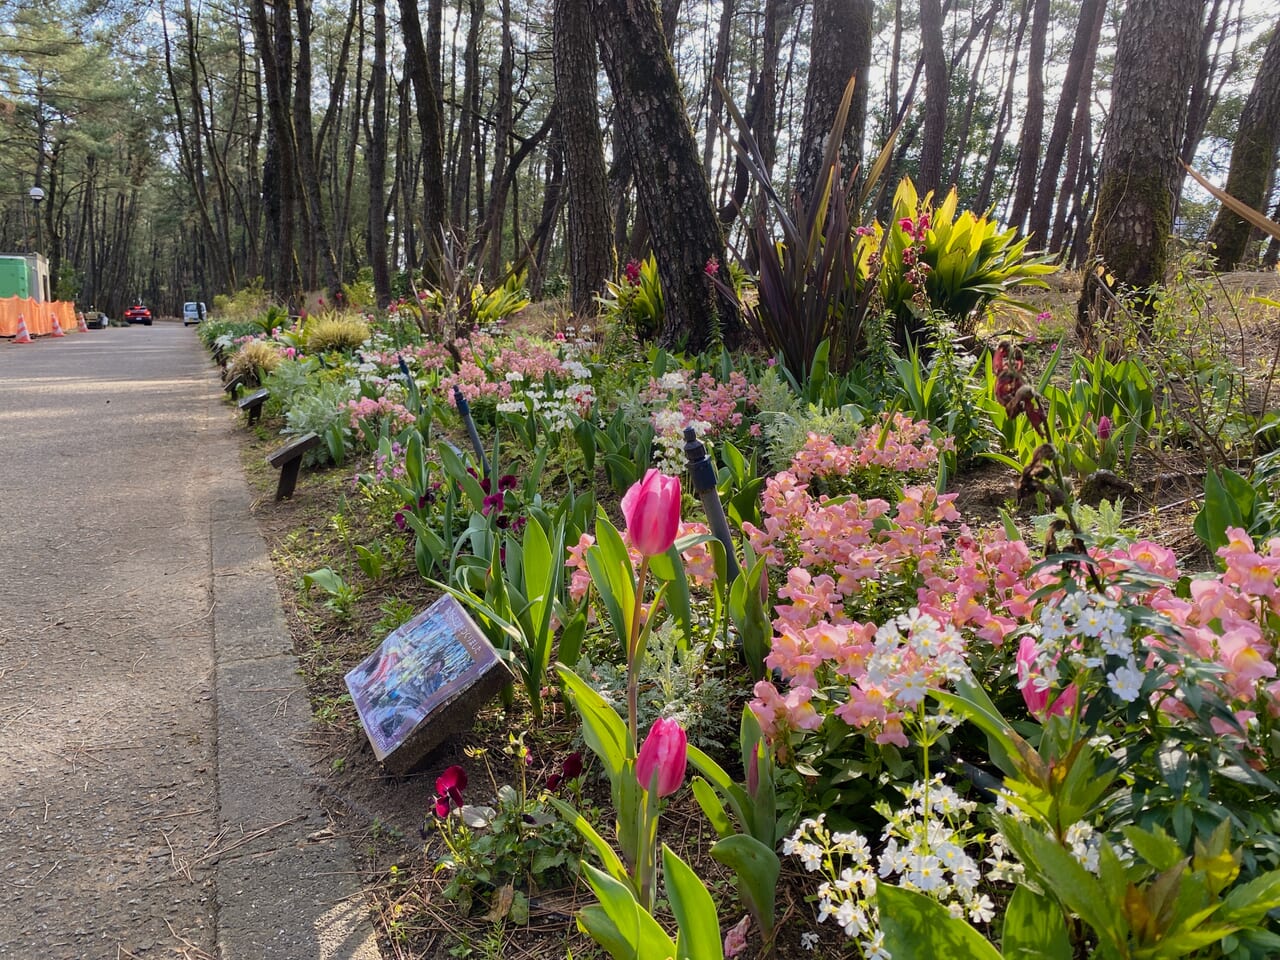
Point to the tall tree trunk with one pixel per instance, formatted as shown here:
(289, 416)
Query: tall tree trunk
(719, 76)
(840, 48)
(503, 113)
(1033, 120)
(1083, 52)
(320, 244)
(376, 151)
(1253, 158)
(1155, 63)
(762, 107)
(418, 64)
(279, 194)
(1005, 115)
(936, 94)
(591, 249)
(460, 209)
(673, 190)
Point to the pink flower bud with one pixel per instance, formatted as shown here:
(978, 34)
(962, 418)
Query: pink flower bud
(651, 509)
(1104, 428)
(663, 757)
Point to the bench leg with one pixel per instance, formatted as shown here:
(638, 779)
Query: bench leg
(288, 479)
(254, 413)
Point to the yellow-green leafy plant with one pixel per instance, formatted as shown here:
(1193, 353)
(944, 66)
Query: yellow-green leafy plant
(335, 332)
(253, 361)
(935, 257)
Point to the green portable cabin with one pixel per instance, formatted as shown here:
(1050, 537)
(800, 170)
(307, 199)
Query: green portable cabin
(14, 277)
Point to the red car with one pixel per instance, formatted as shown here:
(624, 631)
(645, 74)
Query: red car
(138, 314)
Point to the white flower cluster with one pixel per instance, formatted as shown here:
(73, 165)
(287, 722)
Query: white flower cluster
(926, 849)
(912, 653)
(668, 439)
(1093, 632)
(1084, 844)
(555, 407)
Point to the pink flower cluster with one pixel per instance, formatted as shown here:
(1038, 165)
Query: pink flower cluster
(699, 565)
(843, 555)
(368, 410)
(721, 405)
(489, 371)
(894, 442)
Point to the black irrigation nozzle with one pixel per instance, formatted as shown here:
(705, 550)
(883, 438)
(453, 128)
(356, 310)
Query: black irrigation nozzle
(703, 473)
(464, 411)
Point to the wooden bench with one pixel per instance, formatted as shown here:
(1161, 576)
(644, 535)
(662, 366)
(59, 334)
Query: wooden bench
(289, 460)
(253, 402)
(232, 385)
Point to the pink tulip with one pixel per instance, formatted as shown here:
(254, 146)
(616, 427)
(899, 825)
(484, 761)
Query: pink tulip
(663, 756)
(651, 509)
(1104, 428)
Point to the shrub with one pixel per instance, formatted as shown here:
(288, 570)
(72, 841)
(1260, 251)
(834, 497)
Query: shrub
(335, 332)
(254, 361)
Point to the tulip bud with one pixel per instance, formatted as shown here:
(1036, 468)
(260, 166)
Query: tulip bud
(651, 509)
(1104, 428)
(663, 756)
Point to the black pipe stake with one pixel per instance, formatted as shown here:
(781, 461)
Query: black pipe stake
(703, 473)
(464, 411)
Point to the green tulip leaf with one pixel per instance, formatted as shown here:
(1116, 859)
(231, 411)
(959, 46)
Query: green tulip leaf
(695, 911)
(916, 926)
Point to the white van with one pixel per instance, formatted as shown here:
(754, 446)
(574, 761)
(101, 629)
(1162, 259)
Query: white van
(192, 313)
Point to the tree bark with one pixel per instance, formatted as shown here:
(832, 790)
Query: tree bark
(1083, 53)
(840, 47)
(591, 250)
(1253, 158)
(376, 152)
(936, 95)
(1033, 120)
(673, 190)
(418, 62)
(1155, 63)
(319, 244)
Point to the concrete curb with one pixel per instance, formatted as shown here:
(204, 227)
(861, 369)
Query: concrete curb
(286, 885)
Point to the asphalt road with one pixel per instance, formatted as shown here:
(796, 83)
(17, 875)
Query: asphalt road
(153, 783)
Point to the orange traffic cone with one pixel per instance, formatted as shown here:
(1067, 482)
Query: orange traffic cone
(57, 327)
(23, 336)
(81, 326)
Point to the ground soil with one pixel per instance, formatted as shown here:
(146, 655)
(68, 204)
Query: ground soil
(388, 817)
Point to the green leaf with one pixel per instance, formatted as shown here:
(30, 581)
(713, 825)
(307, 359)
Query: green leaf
(1034, 928)
(630, 932)
(695, 911)
(712, 806)
(326, 579)
(612, 862)
(602, 728)
(757, 868)
(614, 578)
(456, 469)
(746, 609)
(1074, 886)
(916, 926)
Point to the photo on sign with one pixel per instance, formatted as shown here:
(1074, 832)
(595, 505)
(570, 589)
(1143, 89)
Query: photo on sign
(421, 666)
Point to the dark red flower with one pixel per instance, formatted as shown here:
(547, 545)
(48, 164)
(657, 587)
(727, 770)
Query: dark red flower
(492, 502)
(449, 787)
(507, 482)
(400, 520)
(572, 765)
(632, 270)
(553, 781)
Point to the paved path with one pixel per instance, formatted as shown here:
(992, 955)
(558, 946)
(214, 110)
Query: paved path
(153, 781)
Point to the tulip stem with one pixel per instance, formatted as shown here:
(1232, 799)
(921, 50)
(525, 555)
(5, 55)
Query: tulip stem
(633, 658)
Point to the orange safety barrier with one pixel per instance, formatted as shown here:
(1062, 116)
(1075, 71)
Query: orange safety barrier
(37, 316)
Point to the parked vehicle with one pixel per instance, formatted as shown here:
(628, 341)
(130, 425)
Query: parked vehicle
(138, 314)
(96, 319)
(192, 312)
